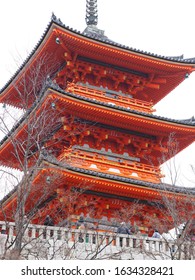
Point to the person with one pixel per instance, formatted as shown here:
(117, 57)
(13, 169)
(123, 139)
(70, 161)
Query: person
(156, 234)
(80, 221)
(123, 229)
(3, 229)
(48, 221)
(81, 227)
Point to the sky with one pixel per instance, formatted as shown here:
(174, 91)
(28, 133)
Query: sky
(160, 27)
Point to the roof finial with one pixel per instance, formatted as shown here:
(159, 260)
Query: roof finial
(91, 12)
(92, 20)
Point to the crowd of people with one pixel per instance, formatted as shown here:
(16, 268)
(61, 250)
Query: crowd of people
(122, 228)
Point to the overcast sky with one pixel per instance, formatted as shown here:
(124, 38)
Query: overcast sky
(161, 27)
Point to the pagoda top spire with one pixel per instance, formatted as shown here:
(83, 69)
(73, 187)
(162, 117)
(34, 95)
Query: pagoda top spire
(92, 21)
(91, 12)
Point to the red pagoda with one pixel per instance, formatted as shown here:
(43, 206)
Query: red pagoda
(105, 139)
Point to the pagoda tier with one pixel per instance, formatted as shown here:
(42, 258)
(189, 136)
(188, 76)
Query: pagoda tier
(89, 59)
(100, 196)
(86, 122)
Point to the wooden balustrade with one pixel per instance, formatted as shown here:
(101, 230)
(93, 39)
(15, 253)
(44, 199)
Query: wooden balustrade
(121, 167)
(114, 99)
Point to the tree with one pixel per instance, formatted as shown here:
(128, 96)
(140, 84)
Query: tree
(177, 208)
(34, 139)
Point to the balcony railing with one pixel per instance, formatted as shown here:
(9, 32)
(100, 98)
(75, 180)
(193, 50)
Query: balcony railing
(110, 97)
(112, 165)
(65, 243)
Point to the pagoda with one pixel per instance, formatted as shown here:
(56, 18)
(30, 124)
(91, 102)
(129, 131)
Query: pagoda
(105, 142)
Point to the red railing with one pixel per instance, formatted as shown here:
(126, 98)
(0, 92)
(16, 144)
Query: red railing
(121, 167)
(111, 98)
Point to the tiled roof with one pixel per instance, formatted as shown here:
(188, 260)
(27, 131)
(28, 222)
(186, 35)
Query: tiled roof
(190, 121)
(156, 186)
(98, 36)
(102, 38)
(55, 87)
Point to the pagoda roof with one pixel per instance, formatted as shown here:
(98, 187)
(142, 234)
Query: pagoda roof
(190, 121)
(106, 183)
(53, 87)
(99, 48)
(107, 114)
(156, 186)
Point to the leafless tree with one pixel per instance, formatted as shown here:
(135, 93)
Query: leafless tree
(177, 208)
(32, 142)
